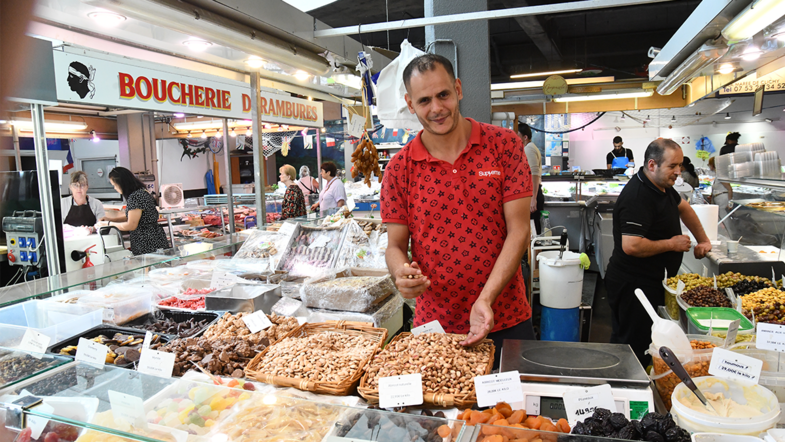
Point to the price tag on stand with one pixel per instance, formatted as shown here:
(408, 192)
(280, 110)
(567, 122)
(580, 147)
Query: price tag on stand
(356, 125)
(580, 403)
(715, 282)
(257, 321)
(222, 279)
(500, 387)
(91, 352)
(770, 337)
(287, 228)
(431, 327)
(729, 365)
(127, 408)
(37, 424)
(156, 363)
(320, 241)
(34, 342)
(773, 278)
(148, 338)
(733, 330)
(400, 391)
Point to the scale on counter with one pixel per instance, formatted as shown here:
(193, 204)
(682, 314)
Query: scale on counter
(549, 369)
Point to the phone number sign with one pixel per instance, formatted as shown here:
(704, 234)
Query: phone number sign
(773, 82)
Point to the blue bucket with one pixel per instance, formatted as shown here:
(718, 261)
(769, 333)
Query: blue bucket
(560, 324)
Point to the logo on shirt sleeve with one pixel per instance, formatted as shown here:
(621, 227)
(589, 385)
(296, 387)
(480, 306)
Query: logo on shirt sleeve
(485, 174)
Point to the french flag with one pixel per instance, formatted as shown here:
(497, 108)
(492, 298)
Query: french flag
(395, 132)
(69, 161)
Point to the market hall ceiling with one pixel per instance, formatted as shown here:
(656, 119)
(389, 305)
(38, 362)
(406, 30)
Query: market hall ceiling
(614, 40)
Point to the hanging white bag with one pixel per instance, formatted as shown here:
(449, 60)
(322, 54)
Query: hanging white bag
(391, 104)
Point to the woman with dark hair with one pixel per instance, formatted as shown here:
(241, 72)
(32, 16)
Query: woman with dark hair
(688, 173)
(334, 194)
(141, 216)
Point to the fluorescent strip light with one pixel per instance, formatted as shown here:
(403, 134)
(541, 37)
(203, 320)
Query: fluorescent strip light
(753, 19)
(543, 74)
(536, 84)
(60, 126)
(638, 94)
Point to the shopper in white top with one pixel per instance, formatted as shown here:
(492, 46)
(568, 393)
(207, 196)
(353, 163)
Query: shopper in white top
(334, 194)
(534, 157)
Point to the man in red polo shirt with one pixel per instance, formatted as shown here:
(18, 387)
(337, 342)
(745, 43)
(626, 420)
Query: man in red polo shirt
(461, 192)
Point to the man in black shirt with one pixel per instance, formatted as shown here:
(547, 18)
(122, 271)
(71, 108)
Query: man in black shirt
(619, 156)
(647, 241)
(730, 143)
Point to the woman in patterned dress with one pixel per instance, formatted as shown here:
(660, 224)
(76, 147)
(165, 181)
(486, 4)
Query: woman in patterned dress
(293, 200)
(141, 216)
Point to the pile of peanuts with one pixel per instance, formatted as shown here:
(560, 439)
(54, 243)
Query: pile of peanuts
(768, 305)
(706, 297)
(320, 357)
(698, 367)
(445, 365)
(233, 327)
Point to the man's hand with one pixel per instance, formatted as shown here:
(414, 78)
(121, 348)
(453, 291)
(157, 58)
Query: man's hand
(702, 249)
(681, 243)
(411, 282)
(480, 321)
(533, 205)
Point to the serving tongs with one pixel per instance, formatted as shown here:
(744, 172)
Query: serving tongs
(673, 362)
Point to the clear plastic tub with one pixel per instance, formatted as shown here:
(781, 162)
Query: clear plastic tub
(698, 365)
(772, 375)
(57, 320)
(744, 393)
(699, 320)
(120, 303)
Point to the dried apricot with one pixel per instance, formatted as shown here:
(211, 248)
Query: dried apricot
(504, 408)
(517, 417)
(444, 431)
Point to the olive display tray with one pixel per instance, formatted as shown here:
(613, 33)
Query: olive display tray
(106, 330)
(177, 316)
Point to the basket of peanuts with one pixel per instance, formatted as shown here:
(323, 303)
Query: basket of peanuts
(697, 365)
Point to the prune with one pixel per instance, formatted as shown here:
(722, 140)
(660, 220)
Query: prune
(653, 436)
(665, 424)
(629, 432)
(580, 429)
(638, 426)
(607, 427)
(595, 427)
(649, 423)
(618, 420)
(673, 435)
(601, 413)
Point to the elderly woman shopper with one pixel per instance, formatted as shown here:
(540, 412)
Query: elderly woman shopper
(334, 194)
(308, 184)
(293, 200)
(79, 209)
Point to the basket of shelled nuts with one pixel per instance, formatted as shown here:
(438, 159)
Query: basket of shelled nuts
(448, 368)
(326, 357)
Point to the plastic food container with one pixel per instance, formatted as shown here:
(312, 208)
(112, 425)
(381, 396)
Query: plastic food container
(717, 437)
(744, 393)
(664, 378)
(120, 304)
(772, 374)
(699, 319)
(56, 320)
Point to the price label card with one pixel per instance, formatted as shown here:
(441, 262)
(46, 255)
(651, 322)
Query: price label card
(257, 321)
(287, 229)
(320, 241)
(148, 338)
(715, 282)
(580, 403)
(222, 279)
(34, 342)
(431, 327)
(770, 337)
(400, 391)
(91, 352)
(356, 125)
(500, 387)
(156, 363)
(733, 330)
(38, 423)
(127, 408)
(680, 287)
(729, 365)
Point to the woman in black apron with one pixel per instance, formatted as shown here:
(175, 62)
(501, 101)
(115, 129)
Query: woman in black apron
(79, 209)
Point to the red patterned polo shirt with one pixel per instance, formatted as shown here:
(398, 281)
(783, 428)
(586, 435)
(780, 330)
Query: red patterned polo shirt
(456, 222)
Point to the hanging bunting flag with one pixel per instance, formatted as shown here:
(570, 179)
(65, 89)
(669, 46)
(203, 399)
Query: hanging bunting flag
(308, 142)
(330, 142)
(375, 135)
(384, 131)
(405, 137)
(395, 132)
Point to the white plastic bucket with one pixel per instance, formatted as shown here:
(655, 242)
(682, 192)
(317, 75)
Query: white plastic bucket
(741, 392)
(717, 437)
(561, 280)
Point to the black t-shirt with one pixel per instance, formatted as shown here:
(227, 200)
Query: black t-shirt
(624, 153)
(728, 148)
(645, 211)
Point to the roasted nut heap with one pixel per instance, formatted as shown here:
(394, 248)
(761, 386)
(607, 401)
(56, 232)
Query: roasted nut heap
(706, 297)
(321, 357)
(698, 367)
(768, 305)
(233, 327)
(445, 365)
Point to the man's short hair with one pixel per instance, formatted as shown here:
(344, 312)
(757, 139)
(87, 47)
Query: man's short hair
(525, 130)
(656, 150)
(617, 139)
(425, 63)
(733, 136)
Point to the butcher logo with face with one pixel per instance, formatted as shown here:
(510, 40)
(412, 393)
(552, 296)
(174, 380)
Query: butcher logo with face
(80, 79)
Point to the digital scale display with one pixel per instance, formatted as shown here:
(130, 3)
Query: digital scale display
(553, 407)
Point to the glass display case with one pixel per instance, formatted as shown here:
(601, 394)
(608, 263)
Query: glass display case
(575, 188)
(85, 403)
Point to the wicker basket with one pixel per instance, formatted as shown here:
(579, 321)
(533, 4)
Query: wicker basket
(343, 388)
(438, 399)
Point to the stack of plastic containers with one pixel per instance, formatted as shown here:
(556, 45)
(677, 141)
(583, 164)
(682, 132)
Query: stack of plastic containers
(740, 164)
(768, 165)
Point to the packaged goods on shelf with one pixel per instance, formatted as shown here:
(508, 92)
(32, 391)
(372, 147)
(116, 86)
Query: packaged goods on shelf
(432, 355)
(350, 293)
(378, 316)
(322, 358)
(120, 303)
(263, 244)
(311, 251)
(56, 320)
(363, 247)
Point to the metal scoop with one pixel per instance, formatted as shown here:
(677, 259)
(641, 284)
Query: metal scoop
(673, 362)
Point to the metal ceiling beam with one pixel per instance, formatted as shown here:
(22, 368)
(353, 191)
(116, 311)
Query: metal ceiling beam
(532, 27)
(482, 15)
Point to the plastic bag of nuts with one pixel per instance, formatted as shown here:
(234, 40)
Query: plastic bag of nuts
(698, 365)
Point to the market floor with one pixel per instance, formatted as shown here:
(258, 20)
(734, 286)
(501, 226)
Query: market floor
(601, 314)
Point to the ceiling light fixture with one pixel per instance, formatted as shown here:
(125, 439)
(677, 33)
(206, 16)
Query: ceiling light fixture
(218, 135)
(752, 53)
(248, 132)
(106, 19)
(547, 73)
(204, 134)
(178, 115)
(310, 98)
(324, 130)
(691, 104)
(616, 96)
(727, 115)
(623, 117)
(255, 62)
(753, 19)
(49, 126)
(538, 83)
(726, 68)
(232, 133)
(95, 137)
(285, 126)
(267, 126)
(647, 119)
(673, 119)
(768, 120)
(197, 45)
(189, 134)
(302, 75)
